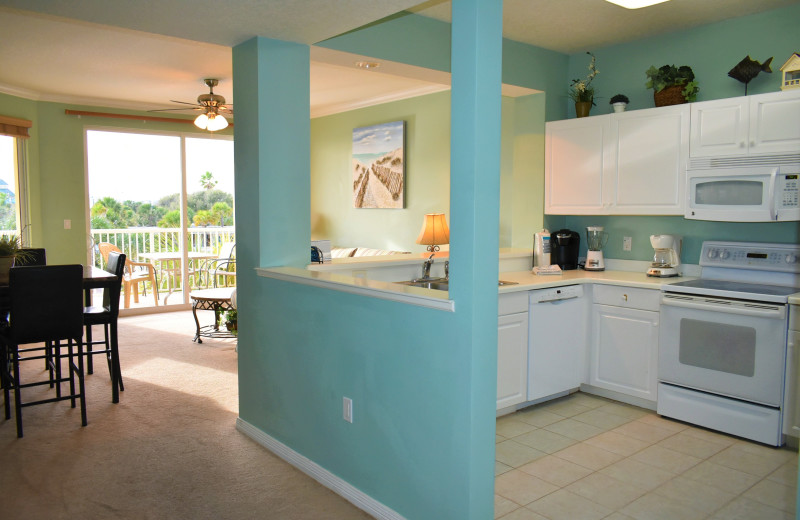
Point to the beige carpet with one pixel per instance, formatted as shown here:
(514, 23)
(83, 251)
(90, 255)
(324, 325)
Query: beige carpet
(168, 450)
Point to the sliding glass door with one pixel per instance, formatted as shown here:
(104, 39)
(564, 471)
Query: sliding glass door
(166, 201)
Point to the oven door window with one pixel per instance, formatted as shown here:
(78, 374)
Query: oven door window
(704, 347)
(718, 346)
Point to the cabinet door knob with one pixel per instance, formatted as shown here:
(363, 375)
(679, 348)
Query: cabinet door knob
(625, 297)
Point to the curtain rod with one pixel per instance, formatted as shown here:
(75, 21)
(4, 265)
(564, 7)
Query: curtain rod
(129, 116)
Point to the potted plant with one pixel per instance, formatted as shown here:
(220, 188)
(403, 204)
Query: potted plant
(581, 91)
(231, 320)
(672, 85)
(619, 102)
(10, 249)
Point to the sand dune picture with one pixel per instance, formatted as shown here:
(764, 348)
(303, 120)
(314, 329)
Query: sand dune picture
(379, 166)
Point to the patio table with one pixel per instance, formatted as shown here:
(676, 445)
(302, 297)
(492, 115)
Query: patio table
(163, 260)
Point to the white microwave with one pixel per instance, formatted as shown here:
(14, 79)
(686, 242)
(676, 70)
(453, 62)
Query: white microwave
(744, 194)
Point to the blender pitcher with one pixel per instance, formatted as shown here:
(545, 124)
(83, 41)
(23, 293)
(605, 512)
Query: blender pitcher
(596, 238)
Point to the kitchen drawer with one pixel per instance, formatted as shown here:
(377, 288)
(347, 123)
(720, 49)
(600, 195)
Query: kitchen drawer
(512, 303)
(629, 297)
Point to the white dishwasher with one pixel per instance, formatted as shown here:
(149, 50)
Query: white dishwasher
(557, 341)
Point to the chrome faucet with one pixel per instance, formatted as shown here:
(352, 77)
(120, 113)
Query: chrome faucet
(426, 267)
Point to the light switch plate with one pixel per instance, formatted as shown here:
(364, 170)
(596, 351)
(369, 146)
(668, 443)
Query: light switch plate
(626, 243)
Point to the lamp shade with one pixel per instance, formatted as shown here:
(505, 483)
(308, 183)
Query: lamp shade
(434, 231)
(211, 122)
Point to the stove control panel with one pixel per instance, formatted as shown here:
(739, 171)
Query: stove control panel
(751, 255)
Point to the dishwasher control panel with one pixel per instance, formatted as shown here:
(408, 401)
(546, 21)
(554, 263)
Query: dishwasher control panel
(551, 294)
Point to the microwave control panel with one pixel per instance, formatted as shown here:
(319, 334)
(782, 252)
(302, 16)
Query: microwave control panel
(788, 190)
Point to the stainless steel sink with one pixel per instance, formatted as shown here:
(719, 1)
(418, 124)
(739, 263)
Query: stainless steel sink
(439, 284)
(442, 284)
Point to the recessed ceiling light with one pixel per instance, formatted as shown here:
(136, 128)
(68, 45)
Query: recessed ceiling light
(367, 64)
(635, 4)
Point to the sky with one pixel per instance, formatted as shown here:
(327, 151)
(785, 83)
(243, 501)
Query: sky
(378, 138)
(7, 160)
(145, 168)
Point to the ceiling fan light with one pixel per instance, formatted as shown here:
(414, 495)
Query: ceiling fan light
(216, 122)
(201, 121)
(635, 4)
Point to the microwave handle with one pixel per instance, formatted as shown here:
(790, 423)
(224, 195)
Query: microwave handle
(771, 195)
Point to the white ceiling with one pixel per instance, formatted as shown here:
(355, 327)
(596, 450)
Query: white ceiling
(118, 53)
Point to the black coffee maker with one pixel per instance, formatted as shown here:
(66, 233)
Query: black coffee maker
(564, 245)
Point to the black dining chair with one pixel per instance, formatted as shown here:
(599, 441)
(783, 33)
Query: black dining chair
(46, 306)
(107, 315)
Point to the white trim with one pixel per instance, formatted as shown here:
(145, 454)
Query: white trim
(362, 287)
(339, 486)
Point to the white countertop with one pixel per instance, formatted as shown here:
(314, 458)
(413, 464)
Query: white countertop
(526, 280)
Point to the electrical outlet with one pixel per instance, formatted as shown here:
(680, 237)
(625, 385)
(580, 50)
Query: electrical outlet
(626, 243)
(347, 409)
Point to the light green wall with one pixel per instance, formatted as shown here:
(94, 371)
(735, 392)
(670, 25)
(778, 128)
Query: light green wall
(711, 51)
(427, 173)
(57, 169)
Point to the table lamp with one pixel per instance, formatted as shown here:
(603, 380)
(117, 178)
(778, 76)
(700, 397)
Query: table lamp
(434, 232)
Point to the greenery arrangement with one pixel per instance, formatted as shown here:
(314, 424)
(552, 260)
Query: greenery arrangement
(669, 75)
(619, 98)
(581, 90)
(11, 245)
(230, 319)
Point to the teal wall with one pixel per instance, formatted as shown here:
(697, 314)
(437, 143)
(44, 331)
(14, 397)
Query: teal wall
(711, 51)
(56, 169)
(423, 382)
(424, 42)
(427, 187)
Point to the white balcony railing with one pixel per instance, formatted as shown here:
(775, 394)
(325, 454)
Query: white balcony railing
(133, 241)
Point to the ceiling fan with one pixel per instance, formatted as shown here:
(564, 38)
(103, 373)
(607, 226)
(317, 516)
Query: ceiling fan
(212, 106)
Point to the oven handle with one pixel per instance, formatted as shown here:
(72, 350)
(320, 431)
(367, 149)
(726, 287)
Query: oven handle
(762, 310)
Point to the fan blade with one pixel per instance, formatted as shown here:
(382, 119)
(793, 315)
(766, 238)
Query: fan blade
(183, 102)
(173, 109)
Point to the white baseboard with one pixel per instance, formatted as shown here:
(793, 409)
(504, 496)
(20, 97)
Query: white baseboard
(353, 495)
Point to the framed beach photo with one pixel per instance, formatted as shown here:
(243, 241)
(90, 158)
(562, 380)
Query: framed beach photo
(379, 166)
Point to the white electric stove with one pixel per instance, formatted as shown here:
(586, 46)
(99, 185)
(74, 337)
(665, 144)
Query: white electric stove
(722, 339)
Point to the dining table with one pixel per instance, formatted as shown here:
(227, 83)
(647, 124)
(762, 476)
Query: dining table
(163, 259)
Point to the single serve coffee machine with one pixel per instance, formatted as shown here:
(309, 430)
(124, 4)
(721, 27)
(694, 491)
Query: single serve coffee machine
(564, 245)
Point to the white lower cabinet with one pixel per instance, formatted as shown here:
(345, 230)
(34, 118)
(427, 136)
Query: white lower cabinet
(512, 349)
(624, 341)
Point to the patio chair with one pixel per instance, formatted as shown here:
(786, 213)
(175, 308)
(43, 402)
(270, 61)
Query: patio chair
(224, 266)
(135, 273)
(46, 306)
(107, 316)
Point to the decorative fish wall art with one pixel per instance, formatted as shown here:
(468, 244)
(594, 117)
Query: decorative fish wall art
(747, 69)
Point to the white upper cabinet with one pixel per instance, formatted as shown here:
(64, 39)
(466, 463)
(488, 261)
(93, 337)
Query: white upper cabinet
(750, 125)
(630, 163)
(575, 159)
(652, 150)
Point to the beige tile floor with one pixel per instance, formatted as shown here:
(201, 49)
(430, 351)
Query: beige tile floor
(585, 457)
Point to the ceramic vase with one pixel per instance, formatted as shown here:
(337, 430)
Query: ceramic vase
(619, 107)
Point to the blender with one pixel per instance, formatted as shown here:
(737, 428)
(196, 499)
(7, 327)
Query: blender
(596, 238)
(667, 257)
